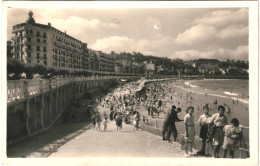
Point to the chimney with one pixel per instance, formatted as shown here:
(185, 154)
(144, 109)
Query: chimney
(49, 24)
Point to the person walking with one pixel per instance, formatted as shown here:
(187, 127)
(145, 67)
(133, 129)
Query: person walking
(93, 118)
(99, 120)
(119, 121)
(136, 120)
(105, 122)
(219, 120)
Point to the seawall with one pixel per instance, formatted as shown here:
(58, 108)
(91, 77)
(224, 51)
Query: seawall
(34, 106)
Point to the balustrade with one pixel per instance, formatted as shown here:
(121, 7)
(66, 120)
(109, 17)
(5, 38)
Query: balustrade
(34, 87)
(15, 90)
(22, 88)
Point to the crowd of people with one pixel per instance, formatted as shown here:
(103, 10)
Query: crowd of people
(125, 105)
(214, 130)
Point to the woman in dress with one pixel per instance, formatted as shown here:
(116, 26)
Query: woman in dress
(189, 126)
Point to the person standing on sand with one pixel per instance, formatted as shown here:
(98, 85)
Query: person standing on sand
(219, 120)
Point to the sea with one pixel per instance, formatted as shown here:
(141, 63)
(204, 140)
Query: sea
(233, 93)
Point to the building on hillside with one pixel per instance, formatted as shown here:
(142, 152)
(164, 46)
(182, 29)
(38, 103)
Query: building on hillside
(207, 68)
(193, 65)
(136, 68)
(35, 43)
(149, 69)
(222, 71)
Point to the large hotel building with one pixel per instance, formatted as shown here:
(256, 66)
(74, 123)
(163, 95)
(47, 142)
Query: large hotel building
(35, 43)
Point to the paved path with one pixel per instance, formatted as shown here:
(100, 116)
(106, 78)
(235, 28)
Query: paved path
(113, 143)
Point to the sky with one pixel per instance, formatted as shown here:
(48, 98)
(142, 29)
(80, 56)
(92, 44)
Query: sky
(187, 33)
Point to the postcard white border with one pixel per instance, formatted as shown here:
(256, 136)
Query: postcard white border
(253, 83)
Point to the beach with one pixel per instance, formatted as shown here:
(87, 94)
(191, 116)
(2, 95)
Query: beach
(186, 93)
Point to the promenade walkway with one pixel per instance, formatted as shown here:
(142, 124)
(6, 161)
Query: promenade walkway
(78, 140)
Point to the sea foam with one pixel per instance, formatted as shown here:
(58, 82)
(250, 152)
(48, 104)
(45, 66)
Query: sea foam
(188, 83)
(232, 94)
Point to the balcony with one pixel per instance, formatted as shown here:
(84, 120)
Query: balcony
(28, 35)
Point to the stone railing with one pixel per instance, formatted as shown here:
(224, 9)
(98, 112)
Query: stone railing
(20, 89)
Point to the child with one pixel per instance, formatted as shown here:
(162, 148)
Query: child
(232, 135)
(189, 127)
(119, 122)
(204, 125)
(105, 122)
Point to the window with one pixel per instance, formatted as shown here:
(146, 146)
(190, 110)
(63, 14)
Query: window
(29, 39)
(38, 61)
(38, 56)
(31, 31)
(44, 41)
(44, 49)
(29, 54)
(29, 47)
(29, 61)
(38, 33)
(45, 62)
(38, 40)
(27, 31)
(45, 56)
(38, 48)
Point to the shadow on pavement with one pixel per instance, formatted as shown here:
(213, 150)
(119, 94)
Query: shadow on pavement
(46, 143)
